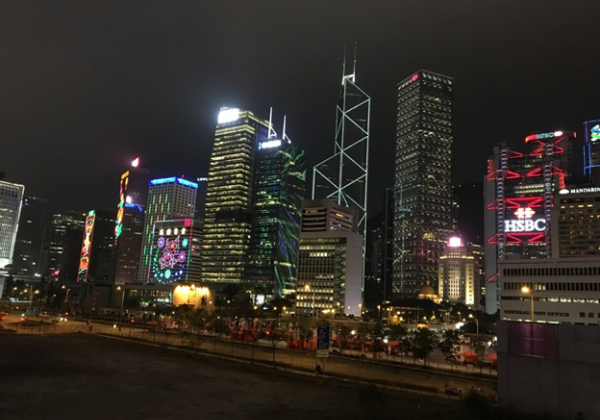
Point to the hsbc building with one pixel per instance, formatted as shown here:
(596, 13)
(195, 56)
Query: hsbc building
(519, 191)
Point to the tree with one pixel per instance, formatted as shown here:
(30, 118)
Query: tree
(342, 334)
(450, 345)
(423, 341)
(399, 333)
(479, 346)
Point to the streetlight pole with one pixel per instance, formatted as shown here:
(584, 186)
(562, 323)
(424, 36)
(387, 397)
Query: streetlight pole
(122, 301)
(526, 290)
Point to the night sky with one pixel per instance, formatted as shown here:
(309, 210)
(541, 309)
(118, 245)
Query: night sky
(86, 86)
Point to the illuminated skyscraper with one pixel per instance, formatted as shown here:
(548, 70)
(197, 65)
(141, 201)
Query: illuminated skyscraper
(27, 259)
(458, 280)
(279, 185)
(229, 195)
(65, 245)
(133, 197)
(168, 198)
(519, 193)
(10, 210)
(423, 219)
(95, 262)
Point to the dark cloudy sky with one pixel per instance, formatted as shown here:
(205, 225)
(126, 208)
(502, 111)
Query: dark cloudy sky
(85, 86)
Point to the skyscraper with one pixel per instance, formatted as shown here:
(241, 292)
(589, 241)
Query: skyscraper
(458, 280)
(95, 262)
(65, 245)
(10, 210)
(519, 192)
(344, 176)
(229, 195)
(423, 188)
(168, 198)
(279, 185)
(27, 259)
(133, 197)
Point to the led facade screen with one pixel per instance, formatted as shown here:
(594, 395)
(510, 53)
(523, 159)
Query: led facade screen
(84, 261)
(171, 252)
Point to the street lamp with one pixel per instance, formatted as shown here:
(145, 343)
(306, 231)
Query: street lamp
(122, 301)
(476, 322)
(526, 290)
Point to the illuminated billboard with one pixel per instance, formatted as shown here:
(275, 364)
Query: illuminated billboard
(84, 260)
(171, 253)
(121, 205)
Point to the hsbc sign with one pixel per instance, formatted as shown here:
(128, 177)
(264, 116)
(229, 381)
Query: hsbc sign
(525, 222)
(529, 225)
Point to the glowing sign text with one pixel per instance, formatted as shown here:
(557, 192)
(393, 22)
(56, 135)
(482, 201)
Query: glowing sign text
(528, 225)
(269, 144)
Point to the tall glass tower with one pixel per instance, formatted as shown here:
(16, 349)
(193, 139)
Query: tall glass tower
(229, 195)
(423, 186)
(279, 185)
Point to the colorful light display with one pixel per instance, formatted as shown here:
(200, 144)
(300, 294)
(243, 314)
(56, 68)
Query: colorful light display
(172, 180)
(595, 133)
(171, 251)
(84, 261)
(121, 206)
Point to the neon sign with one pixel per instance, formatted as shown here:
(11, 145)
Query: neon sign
(580, 190)
(269, 144)
(524, 222)
(171, 180)
(187, 183)
(121, 206)
(86, 249)
(228, 115)
(595, 133)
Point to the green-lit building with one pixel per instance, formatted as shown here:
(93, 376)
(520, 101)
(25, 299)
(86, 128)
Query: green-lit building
(279, 185)
(227, 214)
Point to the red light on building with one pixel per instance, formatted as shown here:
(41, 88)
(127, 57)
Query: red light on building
(415, 77)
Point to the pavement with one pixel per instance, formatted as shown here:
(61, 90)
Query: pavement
(84, 376)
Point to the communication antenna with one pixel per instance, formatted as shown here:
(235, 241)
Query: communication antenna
(272, 132)
(354, 68)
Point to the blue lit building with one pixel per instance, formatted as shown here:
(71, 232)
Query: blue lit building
(279, 186)
(591, 151)
(168, 198)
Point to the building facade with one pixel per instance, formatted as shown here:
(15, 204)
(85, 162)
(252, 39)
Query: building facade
(591, 151)
(129, 228)
(11, 196)
(279, 187)
(558, 290)
(95, 262)
(576, 223)
(28, 255)
(168, 199)
(329, 273)
(326, 215)
(64, 248)
(227, 215)
(175, 251)
(423, 216)
(458, 280)
(519, 193)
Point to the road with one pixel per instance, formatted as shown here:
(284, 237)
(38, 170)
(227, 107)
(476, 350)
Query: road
(82, 376)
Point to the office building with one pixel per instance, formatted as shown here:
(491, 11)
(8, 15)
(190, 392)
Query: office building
(576, 223)
(591, 151)
(95, 261)
(458, 280)
(227, 215)
(279, 187)
(11, 196)
(559, 290)
(168, 199)
(326, 215)
(519, 192)
(27, 259)
(64, 248)
(423, 213)
(175, 251)
(379, 259)
(329, 265)
(129, 228)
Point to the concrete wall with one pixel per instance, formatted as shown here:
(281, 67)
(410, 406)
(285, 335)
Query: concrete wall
(549, 368)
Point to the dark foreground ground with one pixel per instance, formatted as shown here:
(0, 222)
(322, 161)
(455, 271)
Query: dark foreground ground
(84, 377)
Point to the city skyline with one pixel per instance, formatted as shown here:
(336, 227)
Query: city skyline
(113, 104)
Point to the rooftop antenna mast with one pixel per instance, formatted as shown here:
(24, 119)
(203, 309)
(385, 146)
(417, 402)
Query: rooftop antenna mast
(272, 133)
(284, 136)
